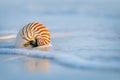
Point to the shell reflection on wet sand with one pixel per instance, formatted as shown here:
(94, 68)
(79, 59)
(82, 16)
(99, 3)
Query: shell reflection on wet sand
(31, 64)
(36, 65)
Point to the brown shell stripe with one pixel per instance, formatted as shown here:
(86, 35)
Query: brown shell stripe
(27, 31)
(23, 34)
(38, 31)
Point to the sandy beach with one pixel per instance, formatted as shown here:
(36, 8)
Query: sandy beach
(84, 35)
(21, 67)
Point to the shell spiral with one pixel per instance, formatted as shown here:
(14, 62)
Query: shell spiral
(33, 35)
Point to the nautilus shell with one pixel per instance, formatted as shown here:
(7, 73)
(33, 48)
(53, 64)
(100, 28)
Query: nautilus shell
(33, 35)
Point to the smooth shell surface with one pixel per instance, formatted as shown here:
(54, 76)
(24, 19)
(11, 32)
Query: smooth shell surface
(33, 35)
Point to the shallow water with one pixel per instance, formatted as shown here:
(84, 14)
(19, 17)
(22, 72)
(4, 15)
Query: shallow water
(85, 38)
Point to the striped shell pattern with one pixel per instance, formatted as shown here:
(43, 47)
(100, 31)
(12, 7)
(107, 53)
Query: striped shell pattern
(33, 35)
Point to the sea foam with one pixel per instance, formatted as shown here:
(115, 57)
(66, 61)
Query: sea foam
(64, 59)
(69, 60)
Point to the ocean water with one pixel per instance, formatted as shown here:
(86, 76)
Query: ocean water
(85, 37)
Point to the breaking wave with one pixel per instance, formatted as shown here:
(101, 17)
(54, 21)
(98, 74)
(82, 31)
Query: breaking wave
(63, 59)
(57, 56)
